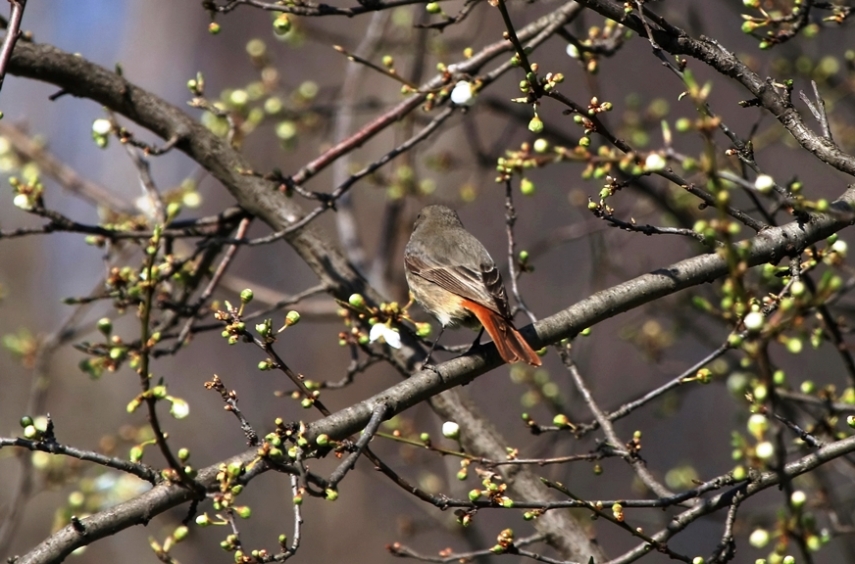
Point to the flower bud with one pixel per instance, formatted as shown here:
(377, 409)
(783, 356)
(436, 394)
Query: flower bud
(536, 124)
(451, 430)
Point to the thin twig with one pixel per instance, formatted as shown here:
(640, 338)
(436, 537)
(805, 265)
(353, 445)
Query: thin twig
(13, 31)
(230, 399)
(342, 123)
(157, 212)
(50, 446)
(397, 549)
(367, 434)
(637, 463)
(510, 220)
(228, 257)
(818, 110)
(347, 184)
(67, 177)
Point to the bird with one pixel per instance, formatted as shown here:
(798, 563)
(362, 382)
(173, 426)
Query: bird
(452, 276)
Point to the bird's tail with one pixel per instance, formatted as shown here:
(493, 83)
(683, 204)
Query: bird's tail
(511, 345)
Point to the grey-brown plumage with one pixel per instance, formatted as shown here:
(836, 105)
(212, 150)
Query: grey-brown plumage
(454, 278)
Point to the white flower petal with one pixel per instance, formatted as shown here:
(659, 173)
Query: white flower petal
(450, 430)
(764, 183)
(655, 162)
(383, 331)
(180, 408)
(462, 94)
(101, 126)
(22, 201)
(376, 332)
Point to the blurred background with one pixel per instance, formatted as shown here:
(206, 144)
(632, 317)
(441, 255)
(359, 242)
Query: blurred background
(160, 45)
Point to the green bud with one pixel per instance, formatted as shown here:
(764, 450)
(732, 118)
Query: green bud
(282, 24)
(246, 296)
(423, 329)
(526, 187)
(535, 125)
(683, 125)
(794, 345)
(234, 469)
(105, 326)
(133, 404)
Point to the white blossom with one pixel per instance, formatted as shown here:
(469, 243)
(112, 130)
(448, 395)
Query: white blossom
(101, 126)
(450, 430)
(180, 408)
(22, 201)
(572, 51)
(389, 335)
(754, 321)
(655, 162)
(764, 450)
(764, 183)
(462, 94)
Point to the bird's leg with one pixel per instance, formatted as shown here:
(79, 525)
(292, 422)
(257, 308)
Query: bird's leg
(433, 346)
(476, 342)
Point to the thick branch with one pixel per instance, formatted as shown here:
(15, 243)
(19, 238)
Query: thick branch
(137, 511)
(768, 246)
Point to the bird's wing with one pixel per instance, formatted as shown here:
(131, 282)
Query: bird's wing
(483, 286)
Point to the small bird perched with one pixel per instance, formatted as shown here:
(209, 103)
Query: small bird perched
(453, 277)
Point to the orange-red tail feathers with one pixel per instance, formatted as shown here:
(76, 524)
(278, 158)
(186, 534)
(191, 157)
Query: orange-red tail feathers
(510, 344)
